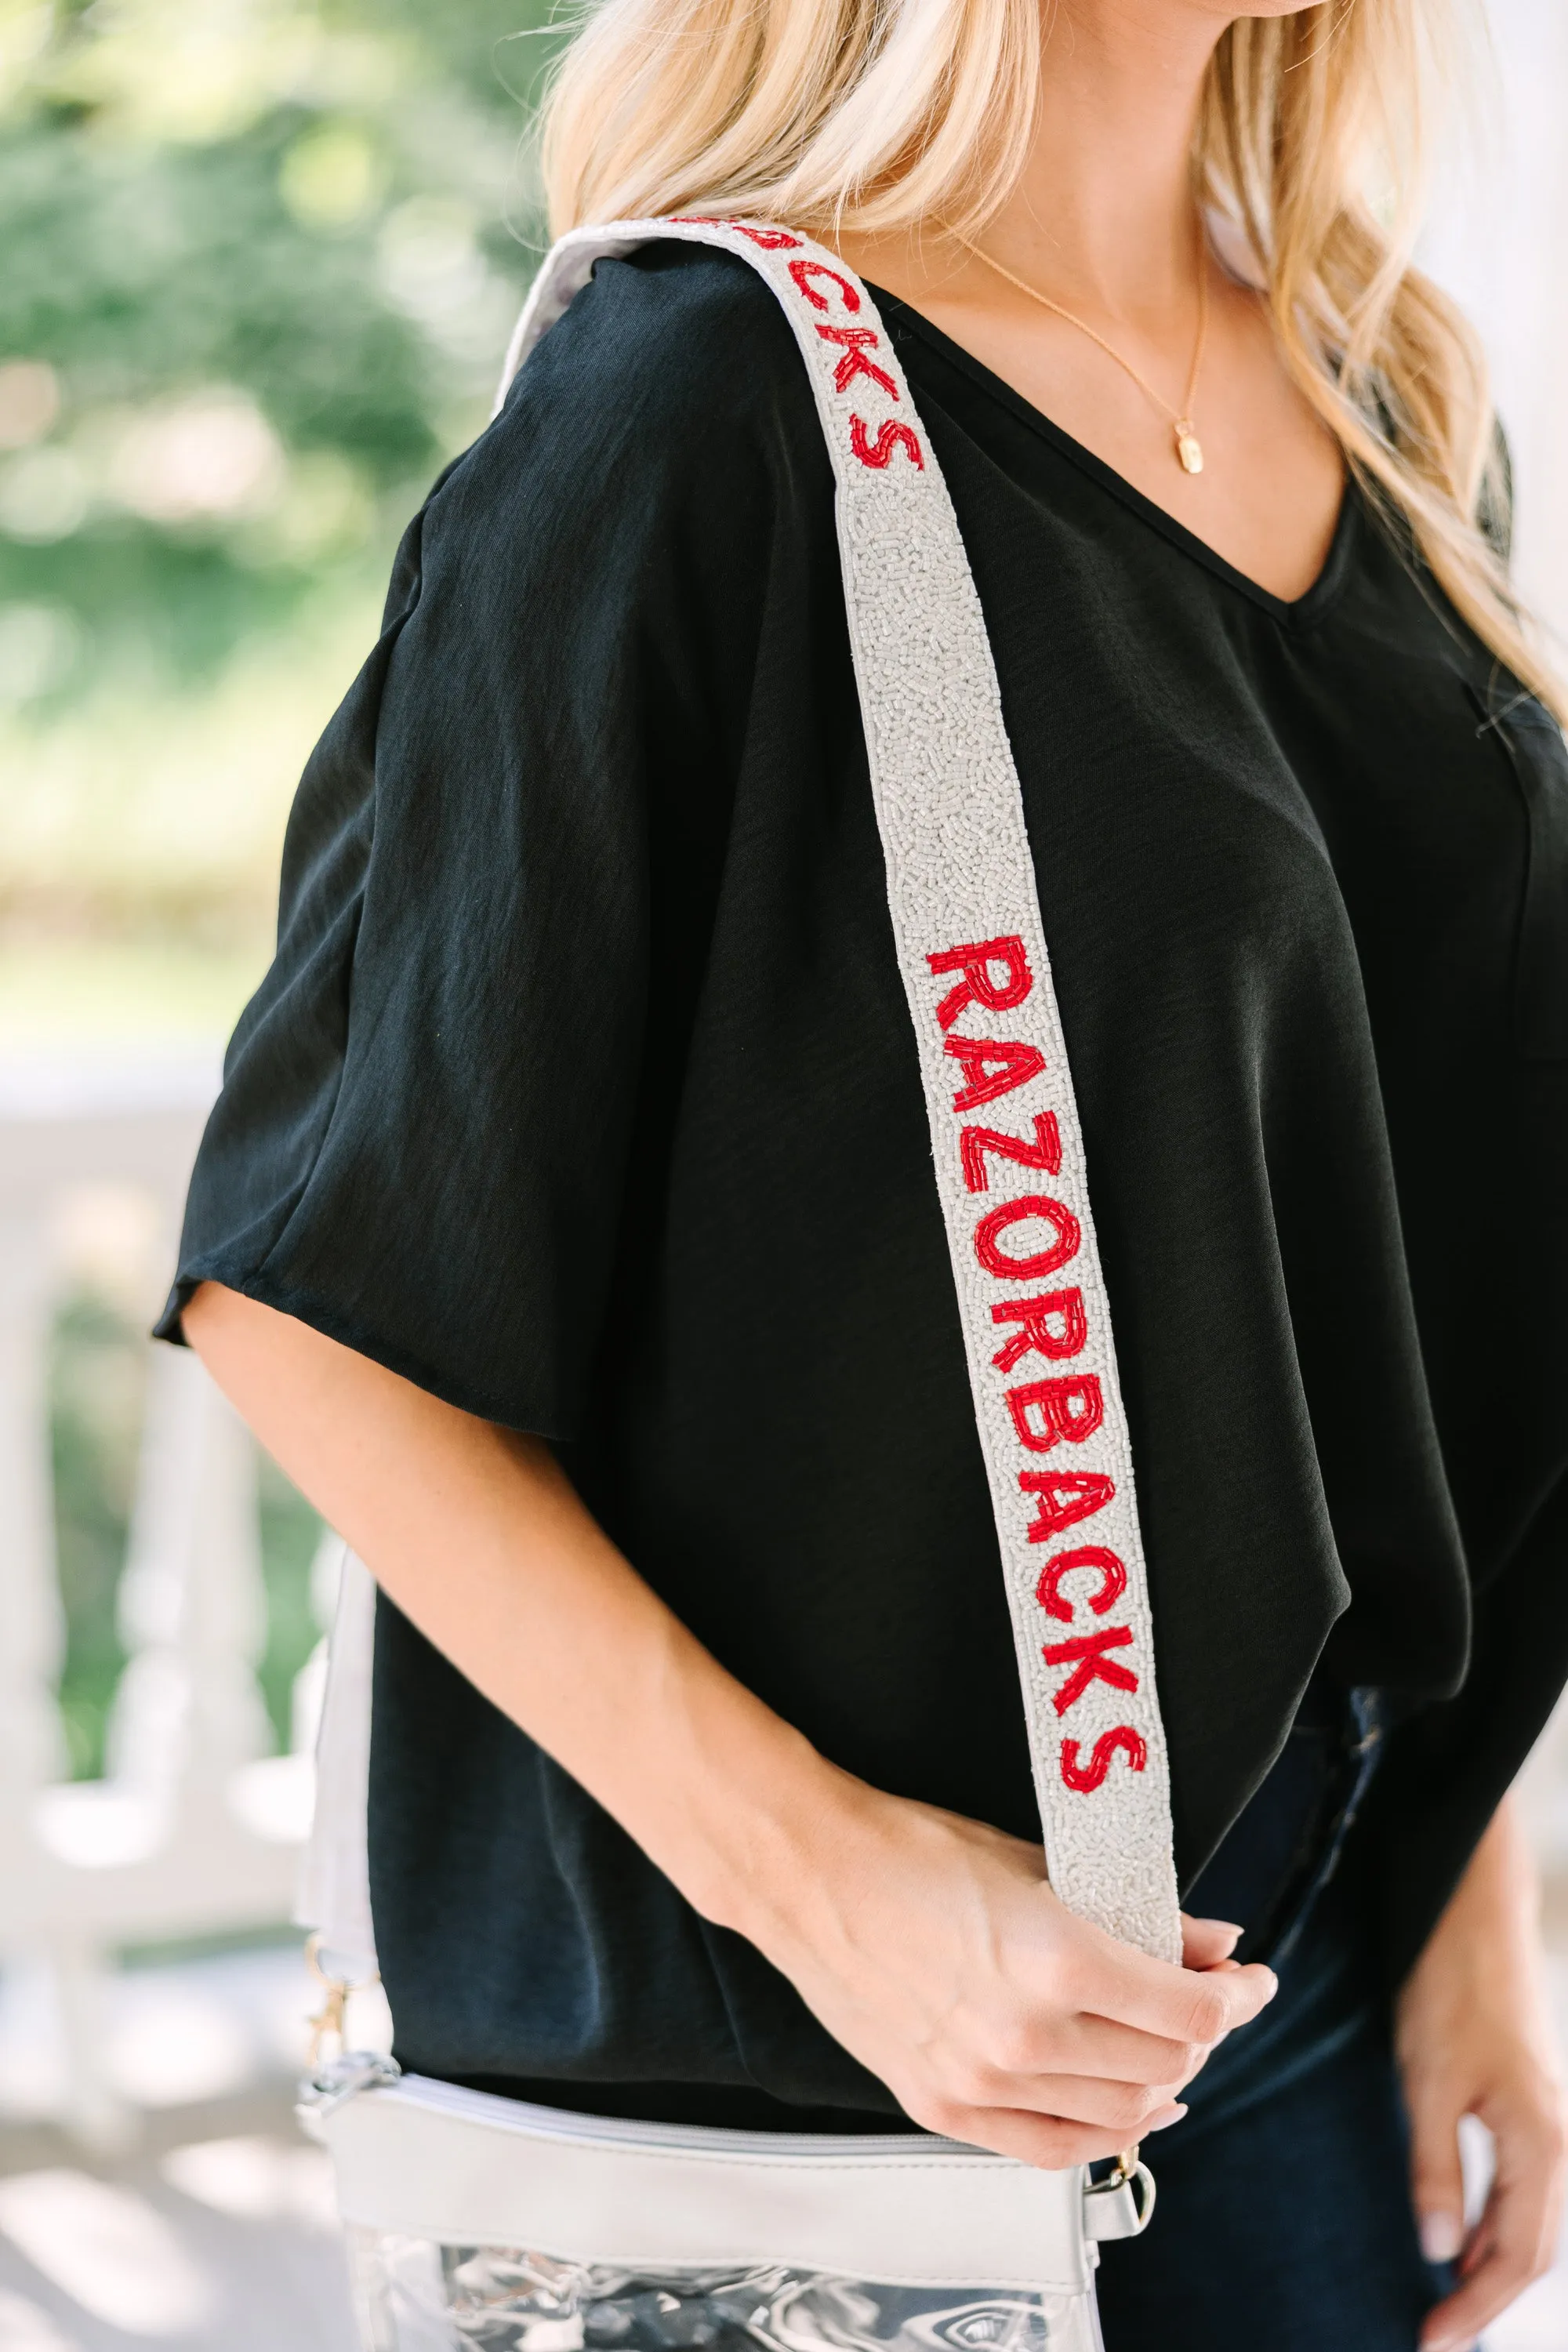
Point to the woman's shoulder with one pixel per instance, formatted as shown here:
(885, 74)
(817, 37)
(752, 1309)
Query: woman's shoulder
(688, 321)
(673, 370)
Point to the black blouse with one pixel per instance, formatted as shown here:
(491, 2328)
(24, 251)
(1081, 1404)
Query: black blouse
(582, 1092)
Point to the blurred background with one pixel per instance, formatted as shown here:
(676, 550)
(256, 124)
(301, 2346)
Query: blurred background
(260, 259)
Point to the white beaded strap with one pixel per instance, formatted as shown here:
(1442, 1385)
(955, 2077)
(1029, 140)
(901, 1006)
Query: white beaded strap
(1004, 1126)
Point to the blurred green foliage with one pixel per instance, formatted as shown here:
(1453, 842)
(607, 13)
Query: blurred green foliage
(290, 1531)
(259, 262)
(261, 258)
(98, 1368)
(96, 1379)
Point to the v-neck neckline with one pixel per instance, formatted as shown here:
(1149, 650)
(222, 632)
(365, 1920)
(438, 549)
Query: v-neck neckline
(1291, 612)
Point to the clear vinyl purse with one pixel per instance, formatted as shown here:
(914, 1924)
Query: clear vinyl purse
(479, 2221)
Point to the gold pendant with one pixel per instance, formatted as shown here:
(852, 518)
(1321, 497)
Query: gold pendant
(1189, 449)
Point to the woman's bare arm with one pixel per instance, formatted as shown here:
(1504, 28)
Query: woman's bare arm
(931, 1947)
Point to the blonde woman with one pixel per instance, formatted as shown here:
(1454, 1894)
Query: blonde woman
(566, 1227)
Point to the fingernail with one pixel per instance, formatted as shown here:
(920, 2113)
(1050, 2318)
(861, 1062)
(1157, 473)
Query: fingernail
(1273, 1984)
(1442, 2236)
(1166, 2117)
(1221, 1927)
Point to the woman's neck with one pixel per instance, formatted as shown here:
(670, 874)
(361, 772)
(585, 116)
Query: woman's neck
(1102, 217)
(1102, 225)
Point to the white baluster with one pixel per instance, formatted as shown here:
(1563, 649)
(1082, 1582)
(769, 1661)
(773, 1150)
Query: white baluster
(32, 1628)
(32, 1647)
(193, 1604)
(197, 1829)
(91, 2109)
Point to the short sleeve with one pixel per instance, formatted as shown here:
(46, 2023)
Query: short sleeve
(501, 867)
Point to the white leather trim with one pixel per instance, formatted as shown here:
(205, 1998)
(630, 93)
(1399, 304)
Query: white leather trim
(424, 2159)
(334, 1875)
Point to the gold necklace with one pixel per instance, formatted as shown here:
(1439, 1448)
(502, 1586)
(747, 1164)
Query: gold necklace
(1189, 449)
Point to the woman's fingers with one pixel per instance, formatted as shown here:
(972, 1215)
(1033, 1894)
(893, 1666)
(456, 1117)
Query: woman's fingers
(1087, 2065)
(1051, 2143)
(1110, 2014)
(1127, 2109)
(1515, 2239)
(1206, 1942)
(937, 1952)
(1176, 2004)
(1509, 2249)
(1121, 2053)
(1436, 2177)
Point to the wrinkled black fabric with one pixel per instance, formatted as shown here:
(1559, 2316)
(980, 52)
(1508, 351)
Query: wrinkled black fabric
(582, 1092)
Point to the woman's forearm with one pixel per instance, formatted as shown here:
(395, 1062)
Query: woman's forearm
(929, 1945)
(478, 1536)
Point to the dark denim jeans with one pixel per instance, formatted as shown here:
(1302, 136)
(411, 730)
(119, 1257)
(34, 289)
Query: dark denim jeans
(1283, 2222)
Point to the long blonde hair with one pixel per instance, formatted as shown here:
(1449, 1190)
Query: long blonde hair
(877, 115)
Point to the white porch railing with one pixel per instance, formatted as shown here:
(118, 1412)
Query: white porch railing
(197, 1828)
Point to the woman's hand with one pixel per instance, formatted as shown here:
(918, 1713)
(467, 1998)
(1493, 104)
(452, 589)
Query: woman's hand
(933, 1949)
(1474, 2038)
(929, 1945)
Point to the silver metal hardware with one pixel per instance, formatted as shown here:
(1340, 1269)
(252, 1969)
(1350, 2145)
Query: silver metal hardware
(1122, 2205)
(337, 2079)
(328, 2082)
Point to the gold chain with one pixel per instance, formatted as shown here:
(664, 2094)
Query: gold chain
(1189, 449)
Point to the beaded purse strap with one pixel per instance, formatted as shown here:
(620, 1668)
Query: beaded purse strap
(1005, 1129)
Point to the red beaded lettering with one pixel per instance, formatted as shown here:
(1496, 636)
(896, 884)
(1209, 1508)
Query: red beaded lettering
(1086, 1654)
(1086, 1778)
(1053, 1325)
(802, 272)
(974, 962)
(772, 240)
(1072, 1408)
(995, 1221)
(1046, 1151)
(1065, 1497)
(1112, 1580)
(991, 1066)
(856, 340)
(890, 436)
